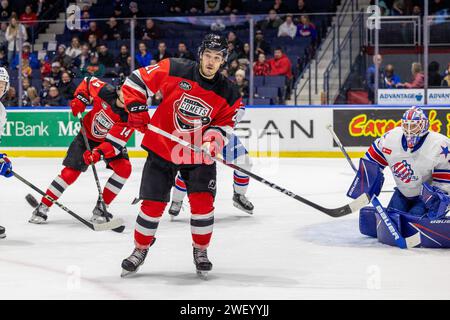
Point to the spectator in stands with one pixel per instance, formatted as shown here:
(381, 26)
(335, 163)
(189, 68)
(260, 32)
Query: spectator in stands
(280, 65)
(94, 68)
(232, 37)
(279, 6)
(33, 97)
(194, 6)
(162, 53)
(93, 30)
(446, 77)
(233, 67)
(418, 80)
(83, 59)
(55, 74)
(45, 67)
(84, 22)
(261, 46)
(41, 7)
(261, 67)
(118, 14)
(121, 59)
(399, 8)
(370, 77)
(244, 56)
(46, 84)
(384, 9)
(143, 57)
(242, 83)
(150, 31)
(125, 70)
(183, 52)
(29, 94)
(287, 28)
(302, 7)
(212, 7)
(92, 42)
(273, 21)
(3, 41)
(434, 77)
(27, 57)
(26, 84)
(133, 13)
(307, 29)
(29, 18)
(61, 56)
(54, 99)
(232, 53)
(224, 72)
(390, 78)
(105, 57)
(417, 10)
(5, 10)
(12, 36)
(3, 59)
(10, 99)
(74, 50)
(113, 30)
(66, 86)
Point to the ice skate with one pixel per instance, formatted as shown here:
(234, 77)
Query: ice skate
(240, 201)
(99, 215)
(39, 214)
(202, 263)
(132, 264)
(175, 208)
(2, 232)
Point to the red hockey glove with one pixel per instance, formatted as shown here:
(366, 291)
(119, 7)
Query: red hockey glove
(138, 117)
(213, 142)
(79, 104)
(92, 157)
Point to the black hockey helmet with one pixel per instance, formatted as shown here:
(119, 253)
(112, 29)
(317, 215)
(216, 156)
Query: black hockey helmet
(214, 42)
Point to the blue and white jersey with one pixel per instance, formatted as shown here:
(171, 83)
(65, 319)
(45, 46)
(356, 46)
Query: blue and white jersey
(428, 161)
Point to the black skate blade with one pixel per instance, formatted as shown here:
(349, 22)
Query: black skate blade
(237, 205)
(3, 236)
(127, 274)
(135, 201)
(119, 229)
(32, 200)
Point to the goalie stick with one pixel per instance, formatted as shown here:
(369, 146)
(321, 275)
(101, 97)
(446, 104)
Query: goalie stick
(94, 226)
(97, 181)
(355, 205)
(403, 243)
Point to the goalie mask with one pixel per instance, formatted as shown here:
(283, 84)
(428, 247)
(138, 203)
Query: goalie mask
(415, 125)
(4, 82)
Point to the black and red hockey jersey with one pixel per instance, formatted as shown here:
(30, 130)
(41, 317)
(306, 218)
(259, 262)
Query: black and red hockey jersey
(191, 104)
(106, 122)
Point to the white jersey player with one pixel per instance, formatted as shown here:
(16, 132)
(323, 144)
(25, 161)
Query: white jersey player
(5, 163)
(418, 159)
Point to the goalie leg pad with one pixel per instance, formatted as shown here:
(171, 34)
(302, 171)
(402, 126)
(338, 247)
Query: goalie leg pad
(369, 179)
(368, 222)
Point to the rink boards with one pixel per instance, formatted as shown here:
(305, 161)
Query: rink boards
(266, 131)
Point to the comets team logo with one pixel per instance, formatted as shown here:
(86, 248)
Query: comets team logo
(403, 171)
(191, 113)
(101, 124)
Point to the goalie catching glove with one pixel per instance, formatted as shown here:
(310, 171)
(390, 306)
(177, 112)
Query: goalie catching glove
(436, 201)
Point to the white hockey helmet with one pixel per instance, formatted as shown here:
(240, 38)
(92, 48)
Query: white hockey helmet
(4, 76)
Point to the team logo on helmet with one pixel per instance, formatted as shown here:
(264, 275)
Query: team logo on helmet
(185, 85)
(404, 172)
(191, 113)
(101, 125)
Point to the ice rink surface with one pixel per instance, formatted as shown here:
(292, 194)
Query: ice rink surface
(286, 250)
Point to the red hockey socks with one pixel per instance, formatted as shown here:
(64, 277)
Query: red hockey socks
(202, 218)
(147, 223)
(122, 171)
(60, 184)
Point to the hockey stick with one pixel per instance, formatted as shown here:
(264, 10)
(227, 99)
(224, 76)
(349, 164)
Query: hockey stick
(94, 226)
(401, 242)
(97, 181)
(330, 128)
(335, 213)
